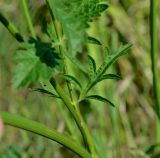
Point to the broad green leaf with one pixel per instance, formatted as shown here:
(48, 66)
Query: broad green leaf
(93, 40)
(105, 77)
(46, 92)
(75, 16)
(97, 97)
(92, 67)
(74, 81)
(34, 62)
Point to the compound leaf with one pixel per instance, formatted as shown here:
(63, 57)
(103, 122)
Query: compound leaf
(105, 77)
(34, 62)
(75, 16)
(110, 59)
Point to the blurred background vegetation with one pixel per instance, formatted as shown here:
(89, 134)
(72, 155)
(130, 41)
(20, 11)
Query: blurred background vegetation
(127, 131)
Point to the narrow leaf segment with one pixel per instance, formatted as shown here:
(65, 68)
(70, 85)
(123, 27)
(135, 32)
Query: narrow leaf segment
(97, 97)
(46, 92)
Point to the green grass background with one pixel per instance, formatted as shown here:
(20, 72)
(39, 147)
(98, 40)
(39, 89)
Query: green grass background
(127, 131)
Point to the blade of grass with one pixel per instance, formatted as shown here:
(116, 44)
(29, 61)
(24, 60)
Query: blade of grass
(154, 59)
(154, 52)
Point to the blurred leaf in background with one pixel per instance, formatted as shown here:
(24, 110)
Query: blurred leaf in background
(1, 128)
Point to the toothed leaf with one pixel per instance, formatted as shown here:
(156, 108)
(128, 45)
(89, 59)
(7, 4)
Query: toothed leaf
(75, 16)
(34, 61)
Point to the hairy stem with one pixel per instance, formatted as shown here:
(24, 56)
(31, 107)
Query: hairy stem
(40, 129)
(61, 49)
(77, 117)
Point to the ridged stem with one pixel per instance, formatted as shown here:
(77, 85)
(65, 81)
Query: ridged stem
(77, 117)
(40, 129)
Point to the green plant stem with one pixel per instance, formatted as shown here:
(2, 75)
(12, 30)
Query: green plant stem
(28, 18)
(154, 52)
(77, 117)
(11, 28)
(61, 49)
(40, 129)
(154, 59)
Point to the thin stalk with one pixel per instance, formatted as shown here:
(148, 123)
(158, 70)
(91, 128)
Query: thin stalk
(28, 18)
(154, 52)
(154, 59)
(77, 117)
(61, 49)
(40, 129)
(11, 28)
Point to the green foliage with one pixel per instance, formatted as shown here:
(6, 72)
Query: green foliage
(108, 61)
(92, 67)
(104, 77)
(75, 15)
(153, 151)
(35, 61)
(93, 40)
(97, 97)
(12, 151)
(47, 92)
(74, 81)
